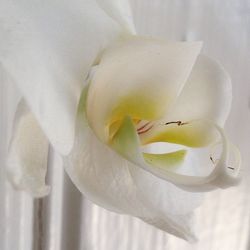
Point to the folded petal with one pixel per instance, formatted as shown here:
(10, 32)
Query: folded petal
(118, 185)
(167, 160)
(181, 226)
(48, 47)
(28, 153)
(189, 133)
(140, 77)
(120, 11)
(173, 208)
(206, 95)
(126, 143)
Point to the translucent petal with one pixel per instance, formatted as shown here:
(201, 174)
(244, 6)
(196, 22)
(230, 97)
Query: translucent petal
(167, 160)
(125, 142)
(121, 12)
(48, 49)
(116, 184)
(191, 134)
(28, 153)
(206, 95)
(140, 77)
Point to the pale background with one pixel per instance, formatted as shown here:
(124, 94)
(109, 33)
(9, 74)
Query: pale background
(67, 221)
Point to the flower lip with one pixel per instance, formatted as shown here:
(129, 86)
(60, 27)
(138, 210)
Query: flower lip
(126, 142)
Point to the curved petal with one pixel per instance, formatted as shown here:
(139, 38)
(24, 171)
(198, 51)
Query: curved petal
(126, 143)
(181, 226)
(189, 133)
(206, 95)
(115, 184)
(121, 12)
(172, 206)
(140, 77)
(166, 160)
(48, 47)
(28, 153)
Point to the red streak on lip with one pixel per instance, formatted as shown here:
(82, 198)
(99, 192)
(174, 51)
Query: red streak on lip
(142, 130)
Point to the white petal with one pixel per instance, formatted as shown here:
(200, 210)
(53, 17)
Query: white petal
(206, 95)
(115, 184)
(171, 208)
(106, 179)
(120, 10)
(28, 153)
(140, 77)
(180, 226)
(48, 47)
(126, 143)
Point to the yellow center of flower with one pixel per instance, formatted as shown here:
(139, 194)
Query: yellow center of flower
(139, 106)
(145, 114)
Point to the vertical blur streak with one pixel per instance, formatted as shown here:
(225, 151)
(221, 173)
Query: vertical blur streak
(57, 217)
(71, 216)
(15, 207)
(47, 213)
(38, 227)
(4, 198)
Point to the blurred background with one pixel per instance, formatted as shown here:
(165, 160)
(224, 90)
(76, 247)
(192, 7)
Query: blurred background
(66, 220)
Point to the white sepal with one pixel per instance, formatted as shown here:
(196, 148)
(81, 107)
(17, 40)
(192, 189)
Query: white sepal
(120, 11)
(28, 153)
(48, 49)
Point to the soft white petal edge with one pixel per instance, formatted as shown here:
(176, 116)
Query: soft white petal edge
(126, 143)
(151, 65)
(27, 154)
(47, 50)
(120, 186)
(207, 94)
(120, 11)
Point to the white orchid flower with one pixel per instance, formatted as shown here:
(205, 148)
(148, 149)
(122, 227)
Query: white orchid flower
(99, 94)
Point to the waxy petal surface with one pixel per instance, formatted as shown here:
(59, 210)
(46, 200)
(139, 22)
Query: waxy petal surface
(139, 77)
(47, 48)
(28, 154)
(120, 11)
(118, 185)
(206, 95)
